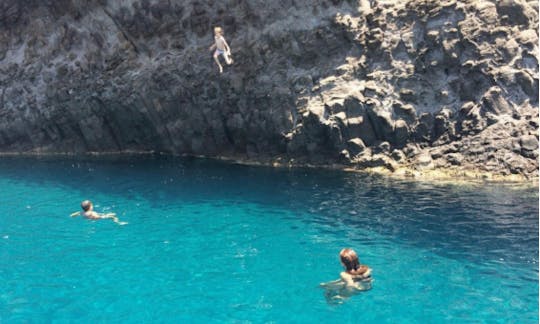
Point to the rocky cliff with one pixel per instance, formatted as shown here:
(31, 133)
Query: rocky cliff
(403, 86)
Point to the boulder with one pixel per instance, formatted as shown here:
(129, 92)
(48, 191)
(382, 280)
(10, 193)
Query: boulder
(355, 146)
(375, 161)
(360, 127)
(382, 147)
(495, 103)
(442, 122)
(529, 146)
(381, 120)
(398, 155)
(455, 158)
(471, 120)
(528, 84)
(401, 133)
(423, 161)
(422, 130)
(404, 111)
(528, 37)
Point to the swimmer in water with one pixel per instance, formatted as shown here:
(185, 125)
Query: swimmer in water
(355, 278)
(222, 48)
(88, 212)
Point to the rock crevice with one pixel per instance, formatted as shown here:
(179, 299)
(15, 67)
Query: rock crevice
(421, 85)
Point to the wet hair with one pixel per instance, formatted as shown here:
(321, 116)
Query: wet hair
(85, 205)
(350, 260)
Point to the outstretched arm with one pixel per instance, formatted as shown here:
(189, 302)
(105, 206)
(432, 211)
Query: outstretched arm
(333, 283)
(113, 217)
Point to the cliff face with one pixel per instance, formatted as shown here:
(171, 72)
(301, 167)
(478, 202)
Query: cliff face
(421, 84)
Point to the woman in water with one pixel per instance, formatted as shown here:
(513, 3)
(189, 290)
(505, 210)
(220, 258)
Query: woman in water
(355, 278)
(355, 274)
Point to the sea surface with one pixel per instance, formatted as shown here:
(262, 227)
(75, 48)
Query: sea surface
(213, 242)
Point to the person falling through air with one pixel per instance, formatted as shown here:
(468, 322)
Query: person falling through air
(222, 48)
(88, 212)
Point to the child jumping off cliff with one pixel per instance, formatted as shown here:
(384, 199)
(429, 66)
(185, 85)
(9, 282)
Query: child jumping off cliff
(222, 48)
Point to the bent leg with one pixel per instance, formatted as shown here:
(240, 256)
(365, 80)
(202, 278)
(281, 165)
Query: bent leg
(228, 58)
(217, 62)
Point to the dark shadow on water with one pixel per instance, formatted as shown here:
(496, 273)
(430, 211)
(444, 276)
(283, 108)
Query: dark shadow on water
(493, 222)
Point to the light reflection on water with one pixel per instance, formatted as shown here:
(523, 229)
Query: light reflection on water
(463, 242)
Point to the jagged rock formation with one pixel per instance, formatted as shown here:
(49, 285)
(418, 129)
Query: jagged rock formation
(412, 85)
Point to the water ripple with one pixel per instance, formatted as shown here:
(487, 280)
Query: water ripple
(224, 243)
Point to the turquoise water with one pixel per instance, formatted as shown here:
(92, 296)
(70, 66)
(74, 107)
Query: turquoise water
(214, 242)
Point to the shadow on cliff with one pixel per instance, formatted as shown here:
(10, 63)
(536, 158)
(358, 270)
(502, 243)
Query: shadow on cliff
(313, 81)
(138, 76)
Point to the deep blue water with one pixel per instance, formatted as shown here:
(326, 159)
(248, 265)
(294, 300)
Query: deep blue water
(215, 242)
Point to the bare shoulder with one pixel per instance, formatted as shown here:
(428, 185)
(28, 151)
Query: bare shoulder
(91, 215)
(344, 275)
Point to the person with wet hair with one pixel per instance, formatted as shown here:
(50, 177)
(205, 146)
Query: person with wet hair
(355, 278)
(89, 213)
(354, 273)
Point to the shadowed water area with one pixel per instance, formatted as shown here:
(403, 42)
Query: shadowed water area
(210, 241)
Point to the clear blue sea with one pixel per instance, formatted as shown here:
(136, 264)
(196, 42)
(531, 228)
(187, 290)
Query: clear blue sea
(210, 242)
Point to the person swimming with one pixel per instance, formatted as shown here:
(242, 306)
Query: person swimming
(354, 279)
(355, 274)
(89, 213)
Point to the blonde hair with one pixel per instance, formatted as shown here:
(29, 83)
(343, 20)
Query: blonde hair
(218, 30)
